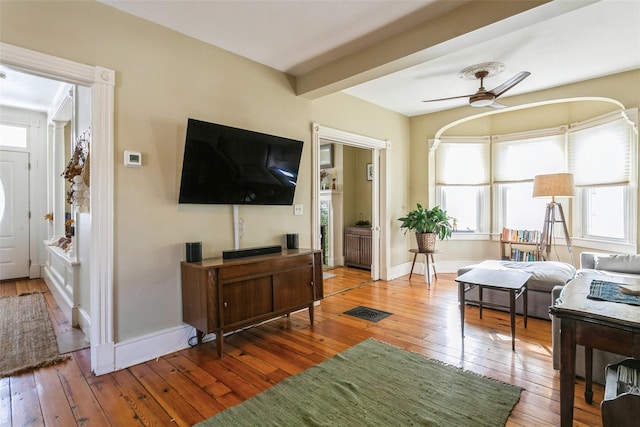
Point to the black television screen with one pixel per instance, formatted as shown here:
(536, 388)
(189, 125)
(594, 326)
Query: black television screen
(226, 165)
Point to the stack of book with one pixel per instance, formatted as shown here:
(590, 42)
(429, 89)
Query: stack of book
(522, 255)
(524, 236)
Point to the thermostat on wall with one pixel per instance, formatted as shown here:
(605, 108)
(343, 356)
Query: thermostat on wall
(132, 159)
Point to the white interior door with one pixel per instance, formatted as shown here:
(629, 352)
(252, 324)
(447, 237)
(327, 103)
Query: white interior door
(14, 214)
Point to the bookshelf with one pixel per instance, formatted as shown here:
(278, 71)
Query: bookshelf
(520, 245)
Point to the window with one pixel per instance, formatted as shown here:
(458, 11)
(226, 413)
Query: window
(13, 136)
(600, 157)
(520, 210)
(462, 175)
(478, 178)
(518, 158)
(604, 213)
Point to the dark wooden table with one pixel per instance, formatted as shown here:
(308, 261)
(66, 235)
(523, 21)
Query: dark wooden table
(607, 326)
(512, 281)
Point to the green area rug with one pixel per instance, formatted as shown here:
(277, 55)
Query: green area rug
(376, 384)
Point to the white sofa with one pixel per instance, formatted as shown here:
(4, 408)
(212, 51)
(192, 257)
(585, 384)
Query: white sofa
(545, 276)
(600, 266)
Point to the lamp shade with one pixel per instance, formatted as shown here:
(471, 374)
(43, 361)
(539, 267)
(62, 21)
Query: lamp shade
(553, 185)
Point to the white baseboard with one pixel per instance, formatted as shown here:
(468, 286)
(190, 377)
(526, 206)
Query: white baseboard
(441, 267)
(152, 346)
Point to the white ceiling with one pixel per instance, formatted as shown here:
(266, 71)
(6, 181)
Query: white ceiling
(559, 43)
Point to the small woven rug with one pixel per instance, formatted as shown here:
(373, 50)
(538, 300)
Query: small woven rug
(376, 384)
(27, 339)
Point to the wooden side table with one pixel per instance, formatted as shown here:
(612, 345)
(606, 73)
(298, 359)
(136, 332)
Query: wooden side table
(604, 325)
(428, 255)
(512, 281)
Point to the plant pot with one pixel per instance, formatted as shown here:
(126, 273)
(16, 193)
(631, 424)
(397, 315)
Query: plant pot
(426, 242)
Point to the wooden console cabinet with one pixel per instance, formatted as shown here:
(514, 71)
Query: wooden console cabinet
(357, 247)
(224, 295)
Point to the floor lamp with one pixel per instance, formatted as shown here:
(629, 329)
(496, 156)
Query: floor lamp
(554, 185)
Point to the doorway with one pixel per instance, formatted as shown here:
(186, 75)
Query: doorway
(373, 169)
(100, 83)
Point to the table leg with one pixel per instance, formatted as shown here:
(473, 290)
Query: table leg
(461, 302)
(512, 312)
(427, 272)
(588, 374)
(480, 299)
(412, 265)
(433, 263)
(525, 306)
(567, 370)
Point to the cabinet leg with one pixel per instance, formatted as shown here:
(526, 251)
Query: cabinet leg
(219, 343)
(311, 314)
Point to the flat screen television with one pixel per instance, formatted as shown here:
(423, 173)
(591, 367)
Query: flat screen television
(226, 165)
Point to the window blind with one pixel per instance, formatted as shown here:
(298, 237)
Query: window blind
(523, 159)
(463, 162)
(600, 154)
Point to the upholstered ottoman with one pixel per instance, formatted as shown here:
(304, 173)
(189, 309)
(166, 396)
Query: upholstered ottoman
(544, 276)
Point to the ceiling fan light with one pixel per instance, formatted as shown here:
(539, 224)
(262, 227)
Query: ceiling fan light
(481, 100)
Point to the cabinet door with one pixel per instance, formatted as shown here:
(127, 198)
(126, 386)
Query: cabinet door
(351, 249)
(365, 251)
(245, 299)
(293, 288)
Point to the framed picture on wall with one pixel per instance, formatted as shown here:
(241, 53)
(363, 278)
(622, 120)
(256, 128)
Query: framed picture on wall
(326, 156)
(369, 171)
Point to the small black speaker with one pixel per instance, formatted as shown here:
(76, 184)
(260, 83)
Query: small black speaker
(292, 241)
(194, 251)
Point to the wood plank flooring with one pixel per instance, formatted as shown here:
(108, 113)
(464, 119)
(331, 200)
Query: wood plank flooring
(186, 387)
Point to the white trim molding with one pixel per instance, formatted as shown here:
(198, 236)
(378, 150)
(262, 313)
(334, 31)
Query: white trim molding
(380, 267)
(102, 83)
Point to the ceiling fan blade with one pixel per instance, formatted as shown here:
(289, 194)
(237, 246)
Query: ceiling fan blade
(496, 105)
(500, 89)
(451, 97)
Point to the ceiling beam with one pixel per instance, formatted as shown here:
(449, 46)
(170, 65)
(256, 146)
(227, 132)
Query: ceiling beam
(465, 26)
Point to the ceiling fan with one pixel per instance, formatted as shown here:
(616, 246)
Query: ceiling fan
(483, 97)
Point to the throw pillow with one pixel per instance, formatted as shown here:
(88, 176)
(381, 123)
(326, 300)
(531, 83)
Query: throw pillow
(619, 263)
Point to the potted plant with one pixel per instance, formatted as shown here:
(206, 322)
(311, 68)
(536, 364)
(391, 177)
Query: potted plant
(428, 225)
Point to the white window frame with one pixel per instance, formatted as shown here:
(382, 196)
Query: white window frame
(580, 212)
(484, 194)
(493, 208)
(499, 207)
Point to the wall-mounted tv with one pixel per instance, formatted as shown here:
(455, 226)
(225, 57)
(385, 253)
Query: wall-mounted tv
(226, 165)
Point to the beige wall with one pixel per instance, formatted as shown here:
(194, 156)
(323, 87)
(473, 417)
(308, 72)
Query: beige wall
(357, 190)
(163, 78)
(623, 87)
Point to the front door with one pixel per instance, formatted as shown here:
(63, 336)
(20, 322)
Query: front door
(14, 215)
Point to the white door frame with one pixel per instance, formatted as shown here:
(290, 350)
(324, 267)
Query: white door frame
(380, 236)
(101, 81)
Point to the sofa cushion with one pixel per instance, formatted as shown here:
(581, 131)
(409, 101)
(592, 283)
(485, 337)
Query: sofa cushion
(545, 274)
(619, 263)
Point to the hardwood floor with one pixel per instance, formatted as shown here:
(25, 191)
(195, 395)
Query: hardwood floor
(186, 387)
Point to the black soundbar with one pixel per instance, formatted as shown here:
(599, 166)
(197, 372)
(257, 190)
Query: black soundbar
(242, 253)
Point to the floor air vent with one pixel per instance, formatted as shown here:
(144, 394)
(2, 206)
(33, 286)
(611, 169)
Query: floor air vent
(367, 313)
